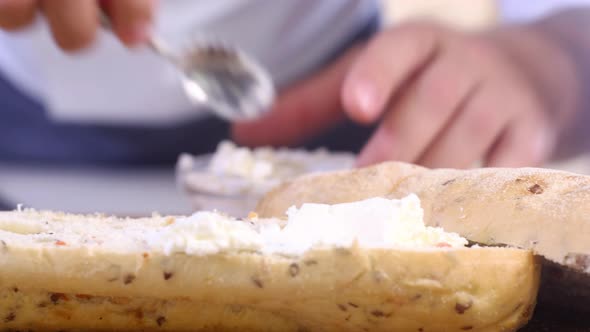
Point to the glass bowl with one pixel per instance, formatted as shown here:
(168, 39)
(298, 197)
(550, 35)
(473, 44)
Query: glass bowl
(234, 179)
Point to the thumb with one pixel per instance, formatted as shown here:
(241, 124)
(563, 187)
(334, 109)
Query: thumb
(301, 111)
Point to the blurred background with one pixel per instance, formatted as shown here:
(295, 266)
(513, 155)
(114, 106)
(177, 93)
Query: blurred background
(464, 14)
(142, 191)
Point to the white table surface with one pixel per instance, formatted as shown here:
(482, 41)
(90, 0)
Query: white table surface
(121, 192)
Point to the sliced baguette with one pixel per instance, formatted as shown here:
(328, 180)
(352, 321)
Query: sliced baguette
(63, 272)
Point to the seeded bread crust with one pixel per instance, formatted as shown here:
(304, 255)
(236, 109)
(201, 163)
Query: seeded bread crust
(72, 285)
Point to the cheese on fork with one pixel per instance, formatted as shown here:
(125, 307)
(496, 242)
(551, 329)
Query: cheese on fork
(372, 223)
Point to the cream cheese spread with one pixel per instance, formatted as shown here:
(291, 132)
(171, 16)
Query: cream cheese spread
(229, 159)
(371, 223)
(259, 167)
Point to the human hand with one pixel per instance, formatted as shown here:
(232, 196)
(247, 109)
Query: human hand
(74, 22)
(442, 98)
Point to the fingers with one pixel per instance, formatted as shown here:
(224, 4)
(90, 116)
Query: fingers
(131, 19)
(73, 22)
(301, 111)
(387, 62)
(16, 14)
(467, 139)
(421, 114)
(527, 142)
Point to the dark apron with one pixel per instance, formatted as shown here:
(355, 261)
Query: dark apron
(27, 135)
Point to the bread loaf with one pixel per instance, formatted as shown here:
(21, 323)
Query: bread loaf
(61, 272)
(543, 210)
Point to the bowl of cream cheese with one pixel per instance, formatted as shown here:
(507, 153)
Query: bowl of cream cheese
(234, 178)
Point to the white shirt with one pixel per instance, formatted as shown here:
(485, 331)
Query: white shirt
(528, 10)
(110, 84)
